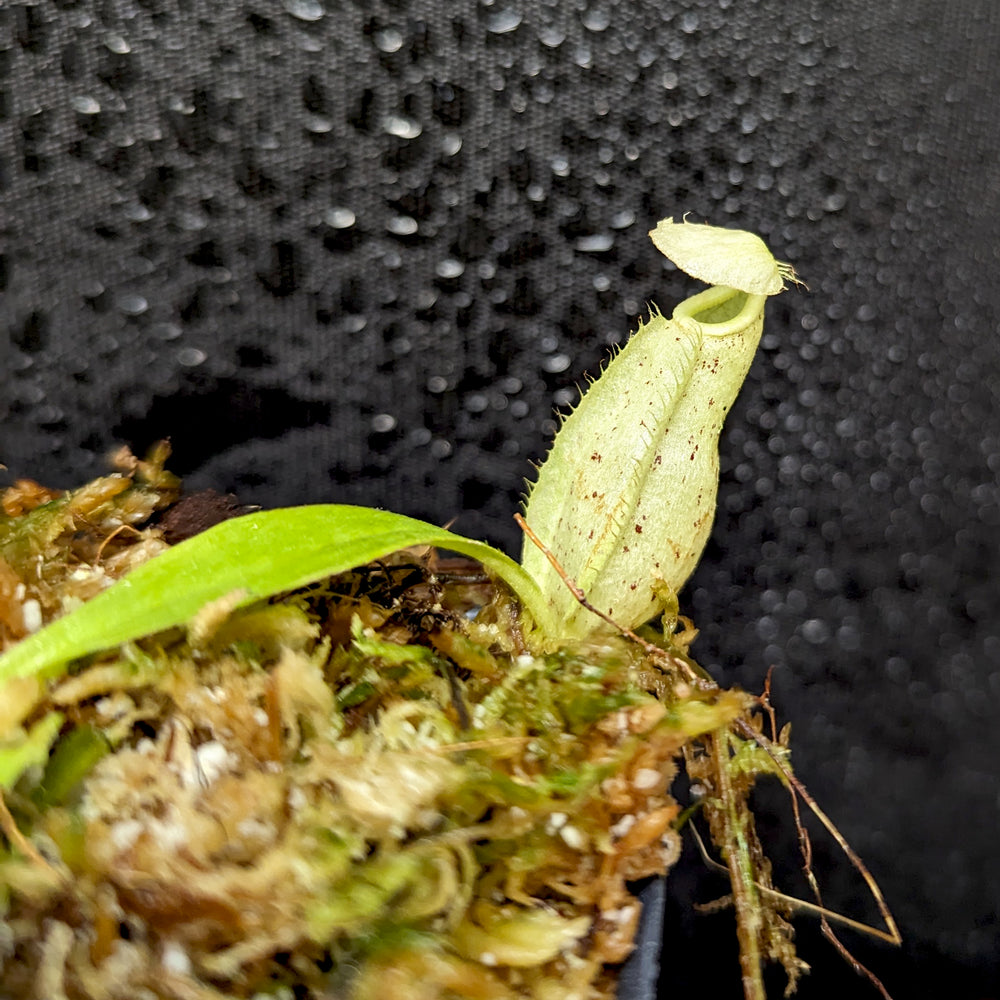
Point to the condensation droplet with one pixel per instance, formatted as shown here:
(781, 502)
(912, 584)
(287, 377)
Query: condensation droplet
(449, 268)
(190, 357)
(339, 218)
(132, 305)
(437, 384)
(402, 225)
(304, 10)
(388, 40)
(556, 363)
(815, 631)
(502, 21)
(596, 20)
(308, 43)
(177, 103)
(402, 128)
(623, 219)
(318, 124)
(192, 220)
(596, 243)
(689, 22)
(451, 144)
(117, 44)
(137, 212)
(382, 423)
(166, 331)
(84, 104)
(551, 37)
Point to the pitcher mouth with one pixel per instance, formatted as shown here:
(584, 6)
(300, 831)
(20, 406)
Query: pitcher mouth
(721, 310)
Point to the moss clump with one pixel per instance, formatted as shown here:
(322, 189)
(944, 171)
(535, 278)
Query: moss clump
(365, 787)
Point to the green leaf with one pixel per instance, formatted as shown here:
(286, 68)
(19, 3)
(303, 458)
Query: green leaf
(72, 759)
(30, 751)
(246, 559)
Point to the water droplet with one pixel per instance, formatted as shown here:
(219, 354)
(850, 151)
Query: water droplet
(382, 423)
(503, 21)
(84, 104)
(339, 218)
(834, 202)
(137, 212)
(190, 357)
(177, 103)
(404, 128)
(117, 44)
(304, 10)
(402, 225)
(596, 243)
(308, 43)
(560, 166)
(451, 144)
(132, 304)
(437, 384)
(388, 40)
(192, 220)
(318, 124)
(551, 37)
(623, 219)
(220, 275)
(121, 138)
(449, 268)
(689, 22)
(556, 363)
(815, 631)
(596, 20)
(165, 331)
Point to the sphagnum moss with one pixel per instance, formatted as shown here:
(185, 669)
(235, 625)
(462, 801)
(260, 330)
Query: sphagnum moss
(297, 752)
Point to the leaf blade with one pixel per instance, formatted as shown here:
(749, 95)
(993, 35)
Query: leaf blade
(257, 555)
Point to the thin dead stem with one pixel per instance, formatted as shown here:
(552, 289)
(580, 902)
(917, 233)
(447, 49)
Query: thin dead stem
(17, 839)
(736, 852)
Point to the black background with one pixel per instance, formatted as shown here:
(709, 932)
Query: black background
(359, 252)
